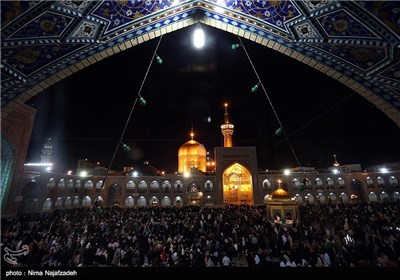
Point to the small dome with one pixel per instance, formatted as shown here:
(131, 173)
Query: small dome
(280, 194)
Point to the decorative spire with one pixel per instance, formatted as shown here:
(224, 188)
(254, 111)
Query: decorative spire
(191, 133)
(335, 163)
(226, 115)
(227, 128)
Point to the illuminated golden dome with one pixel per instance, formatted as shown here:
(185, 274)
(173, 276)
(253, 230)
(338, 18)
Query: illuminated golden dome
(191, 154)
(280, 194)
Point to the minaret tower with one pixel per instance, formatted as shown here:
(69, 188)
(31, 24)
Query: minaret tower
(47, 152)
(227, 129)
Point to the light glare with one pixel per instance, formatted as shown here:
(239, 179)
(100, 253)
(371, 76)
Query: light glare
(198, 38)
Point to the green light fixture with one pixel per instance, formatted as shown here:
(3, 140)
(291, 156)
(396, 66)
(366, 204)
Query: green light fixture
(142, 101)
(126, 148)
(278, 132)
(159, 59)
(255, 88)
(235, 46)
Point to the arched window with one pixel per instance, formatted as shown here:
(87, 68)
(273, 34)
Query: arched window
(344, 197)
(178, 186)
(130, 186)
(70, 184)
(321, 198)
(396, 196)
(208, 200)
(141, 201)
(61, 184)
(165, 201)
(76, 201)
(332, 197)
(153, 201)
(381, 182)
(393, 182)
(318, 183)
(129, 201)
(89, 185)
(373, 197)
(58, 203)
(47, 204)
(298, 197)
(266, 185)
(307, 183)
(68, 202)
(99, 185)
(340, 182)
(100, 199)
(178, 201)
(154, 186)
(309, 198)
(166, 187)
(78, 184)
(208, 186)
(51, 184)
(296, 183)
(266, 197)
(370, 183)
(384, 196)
(86, 201)
(142, 186)
(329, 183)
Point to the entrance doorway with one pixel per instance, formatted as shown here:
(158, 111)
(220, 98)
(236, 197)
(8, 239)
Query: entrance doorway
(237, 185)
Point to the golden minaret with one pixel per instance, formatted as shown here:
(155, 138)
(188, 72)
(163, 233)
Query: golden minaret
(227, 129)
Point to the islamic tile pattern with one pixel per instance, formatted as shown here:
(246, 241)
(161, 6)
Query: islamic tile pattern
(10, 10)
(275, 13)
(362, 57)
(30, 59)
(120, 13)
(305, 30)
(387, 11)
(353, 47)
(342, 24)
(86, 29)
(48, 24)
(315, 5)
(393, 73)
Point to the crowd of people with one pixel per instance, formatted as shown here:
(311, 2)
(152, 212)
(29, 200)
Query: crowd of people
(343, 235)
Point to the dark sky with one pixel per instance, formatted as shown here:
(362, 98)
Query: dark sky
(86, 113)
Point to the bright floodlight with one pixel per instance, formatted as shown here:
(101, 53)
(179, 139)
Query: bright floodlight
(286, 172)
(335, 171)
(83, 173)
(384, 170)
(198, 38)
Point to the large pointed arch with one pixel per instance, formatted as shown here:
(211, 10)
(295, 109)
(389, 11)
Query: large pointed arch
(357, 54)
(237, 185)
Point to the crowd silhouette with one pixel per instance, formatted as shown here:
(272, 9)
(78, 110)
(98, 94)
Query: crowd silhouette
(327, 235)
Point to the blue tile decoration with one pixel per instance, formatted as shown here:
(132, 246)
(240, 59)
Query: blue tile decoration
(29, 59)
(357, 39)
(342, 24)
(10, 10)
(48, 24)
(120, 13)
(315, 5)
(275, 13)
(393, 73)
(362, 57)
(387, 11)
(85, 30)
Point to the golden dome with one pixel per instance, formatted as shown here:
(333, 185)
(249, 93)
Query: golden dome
(192, 147)
(280, 194)
(191, 154)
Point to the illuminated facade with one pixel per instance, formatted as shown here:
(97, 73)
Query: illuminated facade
(234, 179)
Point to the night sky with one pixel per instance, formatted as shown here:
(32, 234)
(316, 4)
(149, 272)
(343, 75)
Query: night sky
(86, 113)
